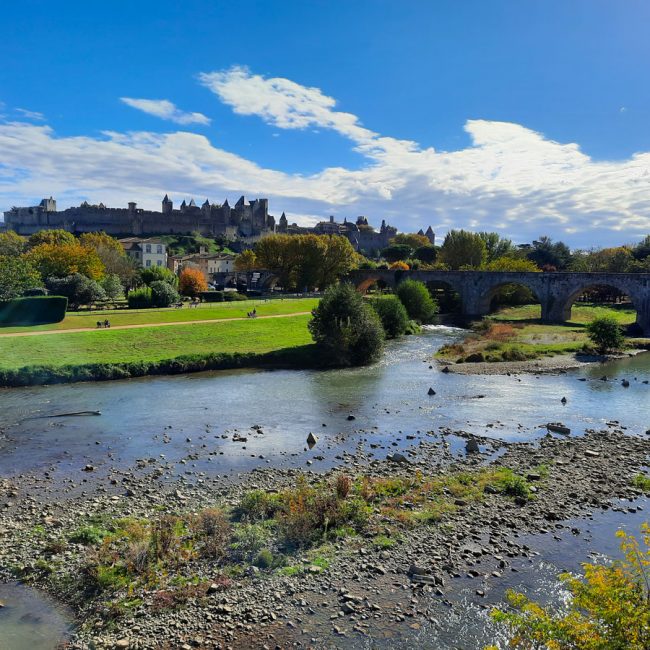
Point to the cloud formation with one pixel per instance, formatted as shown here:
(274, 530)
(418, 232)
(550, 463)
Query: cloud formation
(165, 110)
(510, 178)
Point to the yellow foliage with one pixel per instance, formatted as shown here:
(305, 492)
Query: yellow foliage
(609, 608)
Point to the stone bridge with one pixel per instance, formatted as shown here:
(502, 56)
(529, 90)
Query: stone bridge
(556, 292)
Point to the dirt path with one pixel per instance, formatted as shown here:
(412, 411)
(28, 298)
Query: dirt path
(142, 325)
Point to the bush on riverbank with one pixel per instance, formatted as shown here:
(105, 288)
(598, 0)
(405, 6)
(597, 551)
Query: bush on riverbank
(605, 333)
(393, 315)
(417, 300)
(348, 331)
(33, 310)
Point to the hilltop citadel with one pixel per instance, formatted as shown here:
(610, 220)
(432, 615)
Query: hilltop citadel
(245, 222)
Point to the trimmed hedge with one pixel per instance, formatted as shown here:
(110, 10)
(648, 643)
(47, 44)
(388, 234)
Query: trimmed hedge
(299, 357)
(34, 310)
(221, 296)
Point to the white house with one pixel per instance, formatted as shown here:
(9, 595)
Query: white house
(146, 252)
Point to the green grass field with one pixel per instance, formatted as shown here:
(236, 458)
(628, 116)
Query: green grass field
(580, 314)
(209, 311)
(154, 344)
(515, 334)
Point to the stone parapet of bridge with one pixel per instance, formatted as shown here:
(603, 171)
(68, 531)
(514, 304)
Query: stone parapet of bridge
(556, 292)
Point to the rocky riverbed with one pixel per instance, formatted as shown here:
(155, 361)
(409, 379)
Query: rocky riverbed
(340, 594)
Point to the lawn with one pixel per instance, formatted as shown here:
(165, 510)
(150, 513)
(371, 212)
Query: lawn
(156, 344)
(580, 314)
(516, 334)
(207, 311)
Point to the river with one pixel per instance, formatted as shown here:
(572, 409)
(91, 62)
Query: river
(190, 420)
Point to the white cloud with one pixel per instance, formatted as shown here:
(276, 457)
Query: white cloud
(165, 110)
(509, 178)
(31, 115)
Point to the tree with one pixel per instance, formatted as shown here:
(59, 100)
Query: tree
(55, 237)
(192, 282)
(163, 294)
(17, 275)
(307, 253)
(118, 263)
(605, 333)
(545, 253)
(516, 264)
(11, 244)
(274, 253)
(397, 252)
(642, 250)
(112, 286)
(246, 261)
(99, 241)
(426, 254)
(340, 258)
(393, 315)
(413, 240)
(609, 607)
(77, 288)
(62, 260)
(419, 304)
(157, 274)
(348, 332)
(496, 246)
(462, 248)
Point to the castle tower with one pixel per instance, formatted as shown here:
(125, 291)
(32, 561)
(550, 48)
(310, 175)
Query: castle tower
(430, 235)
(205, 208)
(283, 224)
(167, 205)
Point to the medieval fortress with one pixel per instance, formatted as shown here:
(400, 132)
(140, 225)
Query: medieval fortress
(244, 223)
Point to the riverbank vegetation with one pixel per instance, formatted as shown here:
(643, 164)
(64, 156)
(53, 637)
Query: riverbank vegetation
(609, 606)
(515, 334)
(183, 554)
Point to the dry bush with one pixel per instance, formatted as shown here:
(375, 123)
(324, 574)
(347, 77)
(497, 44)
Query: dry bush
(214, 530)
(343, 486)
(136, 556)
(500, 332)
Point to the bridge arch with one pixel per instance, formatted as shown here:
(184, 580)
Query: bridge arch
(487, 298)
(621, 285)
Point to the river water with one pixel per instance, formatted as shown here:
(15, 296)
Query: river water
(190, 419)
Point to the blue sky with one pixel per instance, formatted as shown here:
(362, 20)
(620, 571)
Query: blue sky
(528, 117)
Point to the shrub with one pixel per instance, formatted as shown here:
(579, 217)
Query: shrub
(140, 298)
(233, 296)
(264, 559)
(157, 274)
(257, 505)
(605, 333)
(347, 331)
(214, 531)
(211, 296)
(34, 310)
(163, 294)
(77, 288)
(609, 606)
(343, 485)
(112, 286)
(393, 315)
(417, 300)
(192, 282)
(17, 276)
(250, 539)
